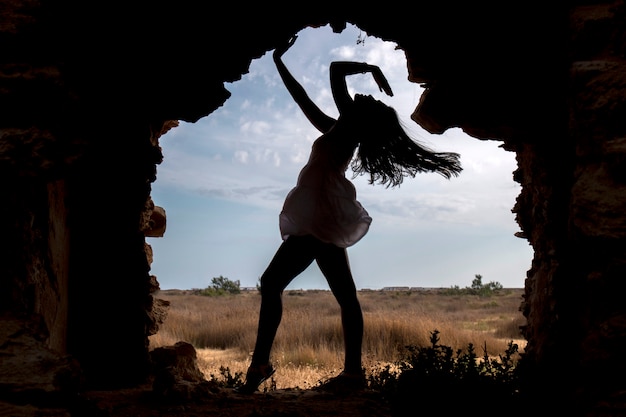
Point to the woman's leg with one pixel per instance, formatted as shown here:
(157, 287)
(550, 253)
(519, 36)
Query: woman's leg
(293, 256)
(333, 262)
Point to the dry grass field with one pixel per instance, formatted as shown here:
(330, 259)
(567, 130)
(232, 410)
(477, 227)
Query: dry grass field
(309, 344)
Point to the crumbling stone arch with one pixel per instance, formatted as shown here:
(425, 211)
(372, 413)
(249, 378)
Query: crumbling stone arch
(88, 88)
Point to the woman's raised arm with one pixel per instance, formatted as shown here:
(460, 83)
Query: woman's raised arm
(338, 72)
(319, 119)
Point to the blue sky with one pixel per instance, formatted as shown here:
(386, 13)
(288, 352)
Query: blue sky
(224, 178)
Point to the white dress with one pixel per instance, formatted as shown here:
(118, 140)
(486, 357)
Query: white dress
(323, 203)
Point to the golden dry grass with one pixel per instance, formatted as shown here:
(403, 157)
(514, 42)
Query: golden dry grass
(309, 343)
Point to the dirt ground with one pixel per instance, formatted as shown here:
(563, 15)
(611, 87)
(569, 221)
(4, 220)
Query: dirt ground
(224, 402)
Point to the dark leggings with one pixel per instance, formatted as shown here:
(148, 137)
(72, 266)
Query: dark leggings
(293, 256)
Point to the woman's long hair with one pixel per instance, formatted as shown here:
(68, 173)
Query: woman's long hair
(387, 153)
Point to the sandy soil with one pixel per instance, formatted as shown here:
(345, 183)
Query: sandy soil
(139, 402)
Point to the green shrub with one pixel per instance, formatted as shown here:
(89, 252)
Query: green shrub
(221, 286)
(227, 379)
(477, 288)
(435, 379)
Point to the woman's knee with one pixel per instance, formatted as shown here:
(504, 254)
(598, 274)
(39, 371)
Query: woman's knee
(269, 287)
(348, 300)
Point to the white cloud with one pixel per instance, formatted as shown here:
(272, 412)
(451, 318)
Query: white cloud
(242, 156)
(344, 52)
(255, 127)
(299, 157)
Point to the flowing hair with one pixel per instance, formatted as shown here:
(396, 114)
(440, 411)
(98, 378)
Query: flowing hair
(387, 153)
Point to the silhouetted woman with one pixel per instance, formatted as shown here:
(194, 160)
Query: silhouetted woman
(321, 216)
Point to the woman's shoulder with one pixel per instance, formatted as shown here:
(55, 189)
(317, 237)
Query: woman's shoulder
(323, 142)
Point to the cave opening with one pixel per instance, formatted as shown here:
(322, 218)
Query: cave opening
(223, 180)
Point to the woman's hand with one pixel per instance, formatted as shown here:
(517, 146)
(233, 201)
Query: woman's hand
(380, 79)
(282, 48)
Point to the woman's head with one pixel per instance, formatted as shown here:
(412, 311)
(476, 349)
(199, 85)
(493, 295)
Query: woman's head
(385, 151)
(369, 121)
(374, 116)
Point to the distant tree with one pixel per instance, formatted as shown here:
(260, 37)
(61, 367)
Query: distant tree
(477, 288)
(225, 284)
(477, 282)
(220, 286)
